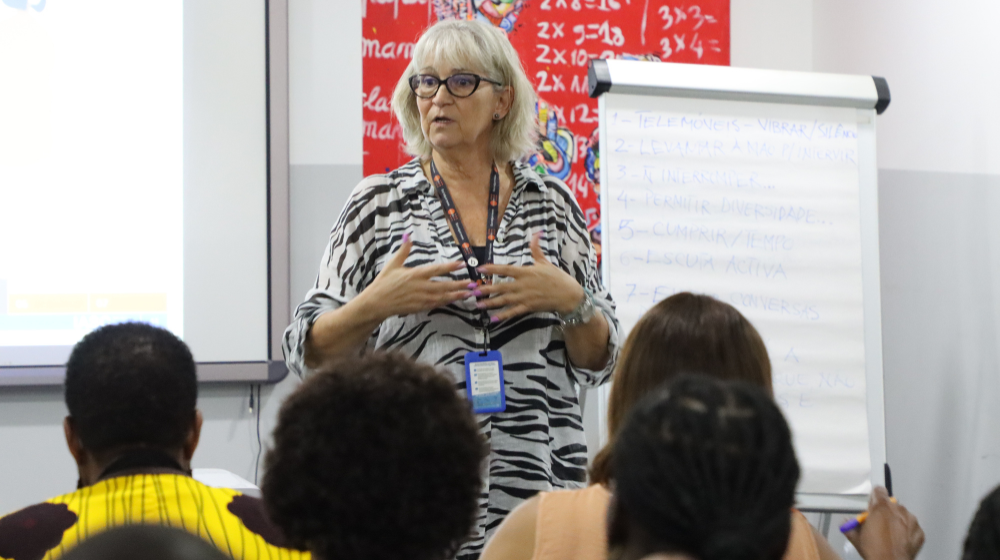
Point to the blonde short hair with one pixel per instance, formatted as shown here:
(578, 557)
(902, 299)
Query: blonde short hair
(472, 44)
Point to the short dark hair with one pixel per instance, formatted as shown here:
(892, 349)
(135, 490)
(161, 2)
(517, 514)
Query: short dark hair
(685, 332)
(707, 468)
(149, 542)
(376, 458)
(131, 384)
(983, 540)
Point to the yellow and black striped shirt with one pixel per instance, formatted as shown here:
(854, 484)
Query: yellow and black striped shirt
(235, 523)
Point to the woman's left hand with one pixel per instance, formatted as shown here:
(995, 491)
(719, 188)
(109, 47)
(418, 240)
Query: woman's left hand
(542, 287)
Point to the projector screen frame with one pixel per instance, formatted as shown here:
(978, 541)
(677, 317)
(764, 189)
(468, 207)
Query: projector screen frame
(273, 369)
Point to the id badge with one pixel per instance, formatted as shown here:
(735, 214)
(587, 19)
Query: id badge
(484, 382)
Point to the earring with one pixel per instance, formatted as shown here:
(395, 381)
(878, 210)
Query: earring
(496, 116)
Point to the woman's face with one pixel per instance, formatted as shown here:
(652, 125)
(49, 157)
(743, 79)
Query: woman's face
(450, 122)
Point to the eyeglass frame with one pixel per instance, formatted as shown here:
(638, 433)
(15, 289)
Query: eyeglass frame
(475, 88)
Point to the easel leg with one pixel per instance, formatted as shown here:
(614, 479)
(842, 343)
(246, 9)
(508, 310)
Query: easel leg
(824, 524)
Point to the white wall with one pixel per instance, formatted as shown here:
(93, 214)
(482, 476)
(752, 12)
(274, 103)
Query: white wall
(325, 82)
(942, 62)
(38, 466)
(775, 34)
(940, 242)
(31, 434)
(324, 125)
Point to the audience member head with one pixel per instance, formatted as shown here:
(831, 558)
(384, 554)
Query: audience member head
(703, 469)
(130, 387)
(376, 458)
(148, 542)
(983, 540)
(685, 332)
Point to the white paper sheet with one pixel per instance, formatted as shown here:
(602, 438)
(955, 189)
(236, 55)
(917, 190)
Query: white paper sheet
(757, 205)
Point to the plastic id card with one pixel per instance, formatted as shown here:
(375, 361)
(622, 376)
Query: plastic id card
(484, 382)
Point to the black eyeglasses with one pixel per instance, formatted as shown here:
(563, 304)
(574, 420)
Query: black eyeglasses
(459, 85)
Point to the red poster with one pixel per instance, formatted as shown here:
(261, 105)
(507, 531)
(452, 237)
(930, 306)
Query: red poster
(556, 39)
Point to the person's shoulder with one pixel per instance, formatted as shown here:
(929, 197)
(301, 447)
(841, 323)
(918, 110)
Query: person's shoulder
(391, 183)
(515, 538)
(380, 194)
(36, 529)
(805, 542)
(252, 513)
(550, 188)
(527, 175)
(553, 193)
(572, 523)
(583, 501)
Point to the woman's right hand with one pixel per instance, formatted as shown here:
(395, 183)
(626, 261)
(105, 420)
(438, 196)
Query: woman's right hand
(399, 290)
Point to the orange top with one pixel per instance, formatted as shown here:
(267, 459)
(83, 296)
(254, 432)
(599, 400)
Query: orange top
(801, 543)
(572, 526)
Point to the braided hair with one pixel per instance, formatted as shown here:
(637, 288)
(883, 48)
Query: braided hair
(705, 468)
(983, 540)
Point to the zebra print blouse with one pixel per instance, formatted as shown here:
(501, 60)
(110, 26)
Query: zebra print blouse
(538, 442)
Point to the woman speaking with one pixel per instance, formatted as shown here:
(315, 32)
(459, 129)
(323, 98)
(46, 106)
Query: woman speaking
(466, 259)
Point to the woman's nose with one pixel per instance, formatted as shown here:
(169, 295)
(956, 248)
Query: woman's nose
(442, 96)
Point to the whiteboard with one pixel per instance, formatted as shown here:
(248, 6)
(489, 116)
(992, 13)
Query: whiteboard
(772, 208)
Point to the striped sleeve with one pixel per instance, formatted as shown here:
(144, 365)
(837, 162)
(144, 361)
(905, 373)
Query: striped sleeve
(578, 258)
(348, 265)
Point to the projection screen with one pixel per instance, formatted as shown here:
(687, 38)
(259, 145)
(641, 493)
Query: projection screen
(143, 177)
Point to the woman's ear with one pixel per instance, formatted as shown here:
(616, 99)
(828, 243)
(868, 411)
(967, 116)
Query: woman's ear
(505, 102)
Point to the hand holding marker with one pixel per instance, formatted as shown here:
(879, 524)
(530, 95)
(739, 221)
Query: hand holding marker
(857, 521)
(890, 531)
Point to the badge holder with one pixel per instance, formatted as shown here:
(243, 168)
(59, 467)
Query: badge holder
(484, 378)
(483, 370)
